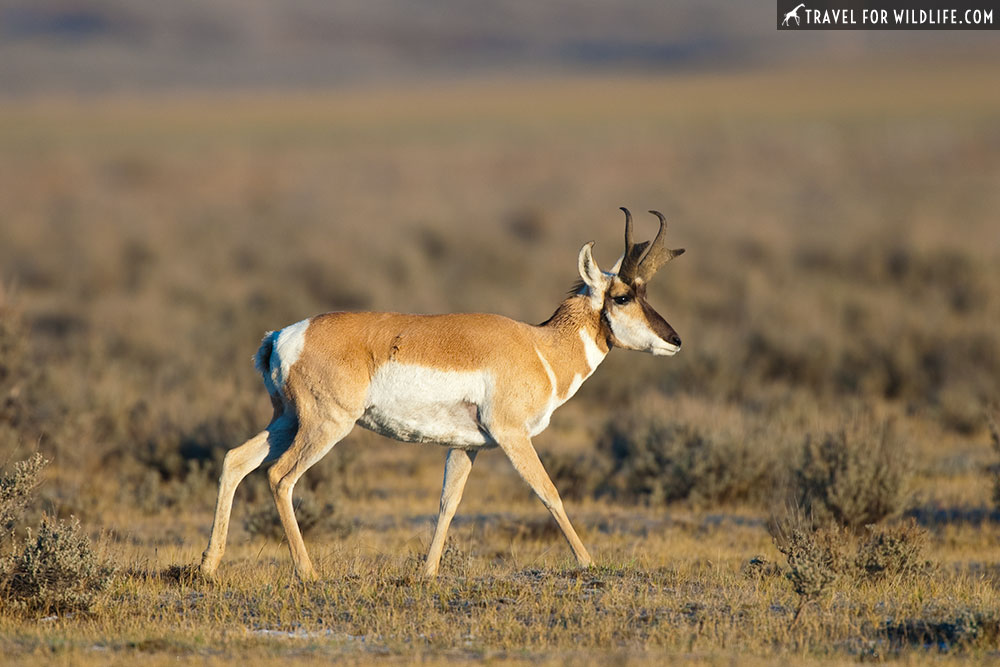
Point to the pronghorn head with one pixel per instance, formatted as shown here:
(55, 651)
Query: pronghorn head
(620, 295)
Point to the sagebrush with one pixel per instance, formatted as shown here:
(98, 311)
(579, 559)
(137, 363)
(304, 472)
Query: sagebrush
(994, 429)
(854, 476)
(896, 550)
(17, 484)
(55, 572)
(656, 459)
(815, 555)
(54, 569)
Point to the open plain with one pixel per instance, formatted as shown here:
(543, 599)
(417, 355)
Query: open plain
(842, 276)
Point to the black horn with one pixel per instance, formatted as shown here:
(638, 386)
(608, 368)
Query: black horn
(658, 254)
(633, 251)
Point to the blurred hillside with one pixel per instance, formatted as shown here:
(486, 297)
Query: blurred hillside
(841, 233)
(95, 46)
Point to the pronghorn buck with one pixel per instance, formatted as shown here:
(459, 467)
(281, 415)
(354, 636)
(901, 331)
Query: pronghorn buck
(465, 381)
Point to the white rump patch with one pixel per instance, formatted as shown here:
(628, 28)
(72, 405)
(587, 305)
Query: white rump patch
(415, 403)
(287, 349)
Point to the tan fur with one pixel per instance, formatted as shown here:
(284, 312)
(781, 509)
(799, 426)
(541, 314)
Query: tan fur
(520, 374)
(340, 345)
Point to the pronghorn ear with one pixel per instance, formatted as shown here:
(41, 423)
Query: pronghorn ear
(592, 275)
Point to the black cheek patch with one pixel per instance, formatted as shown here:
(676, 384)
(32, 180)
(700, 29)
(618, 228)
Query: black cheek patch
(608, 331)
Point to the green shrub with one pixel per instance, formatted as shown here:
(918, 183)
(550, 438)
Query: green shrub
(853, 477)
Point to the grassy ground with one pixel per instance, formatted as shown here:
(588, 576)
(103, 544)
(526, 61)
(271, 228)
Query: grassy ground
(841, 265)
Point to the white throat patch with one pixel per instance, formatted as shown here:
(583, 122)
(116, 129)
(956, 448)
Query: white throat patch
(594, 354)
(594, 357)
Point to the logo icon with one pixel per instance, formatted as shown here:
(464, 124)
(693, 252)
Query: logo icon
(794, 14)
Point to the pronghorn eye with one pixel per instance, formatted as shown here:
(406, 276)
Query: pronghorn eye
(623, 299)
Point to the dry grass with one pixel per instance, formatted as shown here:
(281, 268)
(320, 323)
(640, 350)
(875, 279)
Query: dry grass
(842, 259)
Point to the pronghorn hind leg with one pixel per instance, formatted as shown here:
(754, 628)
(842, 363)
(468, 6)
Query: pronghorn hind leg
(240, 461)
(311, 444)
(456, 473)
(525, 460)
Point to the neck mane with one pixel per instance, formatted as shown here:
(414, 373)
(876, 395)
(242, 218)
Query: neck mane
(575, 314)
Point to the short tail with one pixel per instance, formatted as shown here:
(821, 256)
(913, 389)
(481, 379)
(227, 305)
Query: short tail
(262, 362)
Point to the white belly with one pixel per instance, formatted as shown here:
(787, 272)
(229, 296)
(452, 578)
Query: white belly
(419, 404)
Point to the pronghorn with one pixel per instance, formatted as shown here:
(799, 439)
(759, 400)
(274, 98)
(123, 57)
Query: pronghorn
(465, 381)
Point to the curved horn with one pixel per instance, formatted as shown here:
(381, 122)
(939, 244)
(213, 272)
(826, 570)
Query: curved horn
(633, 251)
(658, 254)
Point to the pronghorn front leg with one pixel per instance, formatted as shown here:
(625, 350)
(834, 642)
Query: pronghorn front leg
(456, 472)
(522, 455)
